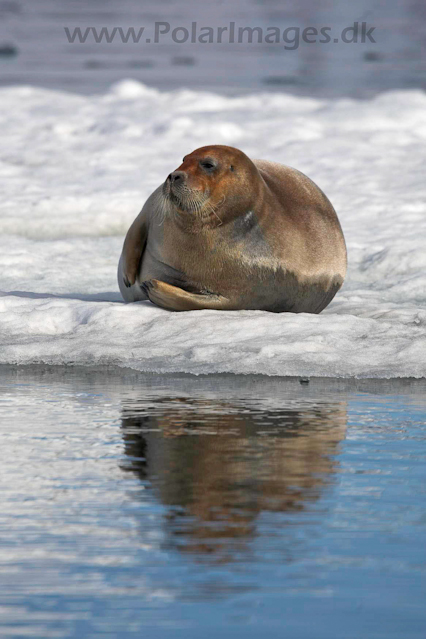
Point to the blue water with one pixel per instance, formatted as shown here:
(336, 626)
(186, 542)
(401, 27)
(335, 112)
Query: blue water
(34, 48)
(136, 505)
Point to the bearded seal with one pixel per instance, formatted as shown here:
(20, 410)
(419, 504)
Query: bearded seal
(228, 233)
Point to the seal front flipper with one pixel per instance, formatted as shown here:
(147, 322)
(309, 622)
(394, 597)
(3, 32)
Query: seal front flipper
(133, 248)
(173, 298)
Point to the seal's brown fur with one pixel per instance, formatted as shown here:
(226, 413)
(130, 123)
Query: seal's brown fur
(225, 232)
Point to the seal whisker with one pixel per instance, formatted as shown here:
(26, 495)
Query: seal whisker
(162, 209)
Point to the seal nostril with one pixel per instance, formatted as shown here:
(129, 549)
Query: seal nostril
(177, 176)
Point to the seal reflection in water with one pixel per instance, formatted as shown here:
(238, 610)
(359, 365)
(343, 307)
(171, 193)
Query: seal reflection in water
(225, 232)
(217, 467)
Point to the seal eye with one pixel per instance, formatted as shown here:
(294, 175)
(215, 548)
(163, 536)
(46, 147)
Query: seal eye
(208, 165)
(231, 167)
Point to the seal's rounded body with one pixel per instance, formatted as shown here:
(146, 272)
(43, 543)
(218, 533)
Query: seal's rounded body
(228, 233)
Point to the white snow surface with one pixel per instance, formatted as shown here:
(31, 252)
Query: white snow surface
(76, 170)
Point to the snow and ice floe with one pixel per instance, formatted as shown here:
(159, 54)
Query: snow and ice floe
(75, 171)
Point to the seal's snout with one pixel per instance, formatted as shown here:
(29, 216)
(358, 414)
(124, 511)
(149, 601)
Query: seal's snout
(177, 177)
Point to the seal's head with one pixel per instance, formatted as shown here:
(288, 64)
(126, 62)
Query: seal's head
(213, 181)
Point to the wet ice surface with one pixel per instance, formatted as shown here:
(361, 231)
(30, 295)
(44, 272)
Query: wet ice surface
(76, 170)
(211, 506)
